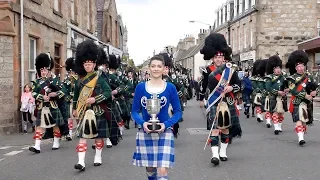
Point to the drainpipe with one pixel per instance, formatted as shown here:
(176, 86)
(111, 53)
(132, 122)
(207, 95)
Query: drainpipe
(21, 45)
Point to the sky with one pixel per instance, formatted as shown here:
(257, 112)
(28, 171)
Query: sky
(155, 24)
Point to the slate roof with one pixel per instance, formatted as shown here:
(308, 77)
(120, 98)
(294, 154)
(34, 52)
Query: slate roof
(192, 51)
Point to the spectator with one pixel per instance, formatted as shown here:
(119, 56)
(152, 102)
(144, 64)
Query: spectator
(27, 104)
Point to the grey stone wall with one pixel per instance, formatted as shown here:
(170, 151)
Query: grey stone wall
(8, 114)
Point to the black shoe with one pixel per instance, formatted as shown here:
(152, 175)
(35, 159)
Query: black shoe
(80, 167)
(268, 125)
(126, 126)
(93, 146)
(276, 132)
(215, 161)
(54, 148)
(302, 142)
(248, 115)
(32, 149)
(97, 164)
(259, 120)
(223, 158)
(68, 138)
(25, 131)
(253, 115)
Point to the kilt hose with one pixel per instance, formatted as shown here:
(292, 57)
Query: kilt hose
(154, 150)
(235, 129)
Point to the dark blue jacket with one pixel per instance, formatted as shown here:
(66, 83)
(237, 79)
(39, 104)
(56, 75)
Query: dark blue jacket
(247, 85)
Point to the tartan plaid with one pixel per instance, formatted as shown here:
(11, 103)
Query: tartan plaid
(113, 124)
(235, 129)
(295, 113)
(102, 127)
(154, 150)
(124, 107)
(56, 115)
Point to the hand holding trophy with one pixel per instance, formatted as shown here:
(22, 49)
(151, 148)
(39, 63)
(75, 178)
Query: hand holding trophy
(153, 109)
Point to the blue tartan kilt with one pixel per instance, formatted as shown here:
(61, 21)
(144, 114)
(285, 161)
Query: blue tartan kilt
(154, 150)
(102, 127)
(235, 129)
(56, 115)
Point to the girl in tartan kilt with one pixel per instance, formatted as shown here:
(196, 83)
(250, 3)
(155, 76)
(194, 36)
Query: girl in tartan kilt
(155, 149)
(47, 91)
(223, 116)
(90, 93)
(303, 89)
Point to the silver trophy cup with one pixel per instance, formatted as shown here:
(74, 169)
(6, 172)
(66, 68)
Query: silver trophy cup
(153, 109)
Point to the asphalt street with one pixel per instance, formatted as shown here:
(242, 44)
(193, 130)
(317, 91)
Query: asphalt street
(258, 155)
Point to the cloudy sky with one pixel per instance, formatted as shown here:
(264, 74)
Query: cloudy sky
(154, 24)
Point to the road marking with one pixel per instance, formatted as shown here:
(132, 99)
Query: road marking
(5, 147)
(315, 119)
(2, 159)
(12, 153)
(25, 147)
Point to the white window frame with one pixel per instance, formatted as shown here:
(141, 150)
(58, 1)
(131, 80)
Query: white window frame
(240, 7)
(32, 71)
(253, 3)
(56, 5)
(247, 5)
(235, 12)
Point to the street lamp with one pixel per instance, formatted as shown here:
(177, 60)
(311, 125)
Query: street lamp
(193, 21)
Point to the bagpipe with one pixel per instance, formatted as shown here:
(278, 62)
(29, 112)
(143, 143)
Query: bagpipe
(46, 118)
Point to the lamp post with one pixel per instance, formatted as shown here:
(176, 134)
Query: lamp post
(193, 21)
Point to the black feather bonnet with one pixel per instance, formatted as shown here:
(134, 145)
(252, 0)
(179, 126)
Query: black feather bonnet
(297, 57)
(114, 62)
(215, 44)
(70, 64)
(273, 62)
(44, 60)
(87, 51)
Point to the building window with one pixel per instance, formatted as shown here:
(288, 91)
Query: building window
(239, 38)
(74, 10)
(32, 57)
(218, 24)
(226, 13)
(243, 5)
(318, 27)
(57, 58)
(57, 5)
(238, 7)
(110, 36)
(251, 35)
(245, 37)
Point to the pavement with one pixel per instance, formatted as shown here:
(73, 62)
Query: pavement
(259, 154)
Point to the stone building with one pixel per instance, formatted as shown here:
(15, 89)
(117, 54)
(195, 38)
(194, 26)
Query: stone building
(55, 26)
(108, 26)
(258, 29)
(188, 53)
